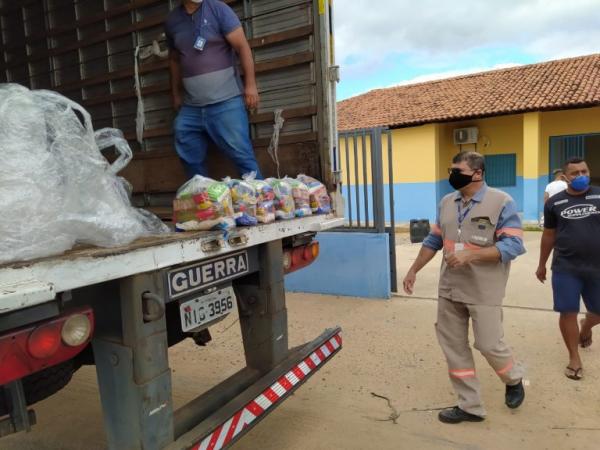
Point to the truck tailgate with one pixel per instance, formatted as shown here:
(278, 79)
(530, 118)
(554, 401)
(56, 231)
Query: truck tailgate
(30, 283)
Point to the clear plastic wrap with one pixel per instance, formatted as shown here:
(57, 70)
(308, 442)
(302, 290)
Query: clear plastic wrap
(301, 196)
(284, 202)
(320, 202)
(56, 187)
(245, 200)
(265, 208)
(203, 204)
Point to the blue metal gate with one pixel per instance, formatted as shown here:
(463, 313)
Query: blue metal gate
(368, 188)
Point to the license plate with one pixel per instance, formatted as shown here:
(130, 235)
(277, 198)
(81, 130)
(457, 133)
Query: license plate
(205, 309)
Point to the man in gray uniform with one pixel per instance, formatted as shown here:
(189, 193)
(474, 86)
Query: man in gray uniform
(480, 232)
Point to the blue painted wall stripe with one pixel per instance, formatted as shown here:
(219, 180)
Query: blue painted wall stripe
(419, 200)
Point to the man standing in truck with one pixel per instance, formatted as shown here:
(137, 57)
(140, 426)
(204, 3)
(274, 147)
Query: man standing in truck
(205, 37)
(480, 232)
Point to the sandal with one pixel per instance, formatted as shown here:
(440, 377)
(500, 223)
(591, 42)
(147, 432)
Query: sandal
(586, 341)
(574, 374)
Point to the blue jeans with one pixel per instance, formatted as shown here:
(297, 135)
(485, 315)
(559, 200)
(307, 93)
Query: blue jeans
(226, 124)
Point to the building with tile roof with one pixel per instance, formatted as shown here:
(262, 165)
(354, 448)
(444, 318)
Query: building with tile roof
(526, 120)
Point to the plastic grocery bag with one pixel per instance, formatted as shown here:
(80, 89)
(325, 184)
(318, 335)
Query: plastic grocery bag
(265, 208)
(301, 196)
(56, 187)
(320, 202)
(284, 202)
(245, 200)
(203, 204)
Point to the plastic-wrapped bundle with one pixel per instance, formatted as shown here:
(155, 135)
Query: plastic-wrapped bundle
(265, 208)
(320, 203)
(245, 200)
(203, 204)
(56, 187)
(301, 197)
(284, 202)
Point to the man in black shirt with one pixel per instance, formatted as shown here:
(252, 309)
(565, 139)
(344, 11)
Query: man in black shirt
(572, 230)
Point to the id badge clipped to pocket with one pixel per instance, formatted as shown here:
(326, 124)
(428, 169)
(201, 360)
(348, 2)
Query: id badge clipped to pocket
(199, 43)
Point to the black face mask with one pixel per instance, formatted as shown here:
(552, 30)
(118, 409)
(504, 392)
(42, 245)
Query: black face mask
(459, 180)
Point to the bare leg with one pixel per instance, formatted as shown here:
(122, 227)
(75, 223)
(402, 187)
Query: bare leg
(570, 332)
(585, 335)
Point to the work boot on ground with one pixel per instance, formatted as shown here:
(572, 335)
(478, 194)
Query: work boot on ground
(457, 415)
(515, 395)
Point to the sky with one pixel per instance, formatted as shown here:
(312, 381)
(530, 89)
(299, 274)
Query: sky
(383, 43)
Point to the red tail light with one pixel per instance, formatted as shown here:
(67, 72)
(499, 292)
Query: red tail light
(300, 257)
(37, 347)
(44, 341)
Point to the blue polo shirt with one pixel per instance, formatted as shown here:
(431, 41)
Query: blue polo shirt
(210, 75)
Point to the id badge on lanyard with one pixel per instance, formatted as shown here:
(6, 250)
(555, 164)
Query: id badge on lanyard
(199, 43)
(199, 40)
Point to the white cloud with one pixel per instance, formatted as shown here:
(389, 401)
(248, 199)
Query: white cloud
(443, 75)
(436, 32)
(453, 73)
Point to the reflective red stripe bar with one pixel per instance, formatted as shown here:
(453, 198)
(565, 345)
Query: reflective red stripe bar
(232, 428)
(329, 346)
(215, 438)
(320, 354)
(271, 395)
(298, 372)
(243, 418)
(283, 381)
(255, 408)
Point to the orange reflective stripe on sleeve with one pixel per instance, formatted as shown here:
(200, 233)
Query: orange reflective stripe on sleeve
(517, 232)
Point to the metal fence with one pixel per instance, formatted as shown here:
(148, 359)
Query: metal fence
(366, 159)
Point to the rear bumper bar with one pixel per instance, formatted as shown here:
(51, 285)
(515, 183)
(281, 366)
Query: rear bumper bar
(241, 413)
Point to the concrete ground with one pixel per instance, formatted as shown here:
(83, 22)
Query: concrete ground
(389, 349)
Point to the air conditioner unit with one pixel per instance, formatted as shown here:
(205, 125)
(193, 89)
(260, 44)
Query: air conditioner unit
(466, 136)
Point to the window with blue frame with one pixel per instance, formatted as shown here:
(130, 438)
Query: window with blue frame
(501, 170)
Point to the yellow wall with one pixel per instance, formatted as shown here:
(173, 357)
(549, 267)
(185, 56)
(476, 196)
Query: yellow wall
(497, 135)
(415, 156)
(423, 153)
(532, 135)
(563, 123)
(361, 162)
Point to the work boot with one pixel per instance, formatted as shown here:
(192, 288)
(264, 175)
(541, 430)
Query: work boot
(457, 415)
(515, 395)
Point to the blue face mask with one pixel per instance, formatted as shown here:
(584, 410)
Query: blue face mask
(580, 183)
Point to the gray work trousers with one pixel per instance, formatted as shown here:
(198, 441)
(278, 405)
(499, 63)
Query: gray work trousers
(452, 329)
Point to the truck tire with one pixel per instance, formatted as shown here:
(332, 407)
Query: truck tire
(41, 385)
